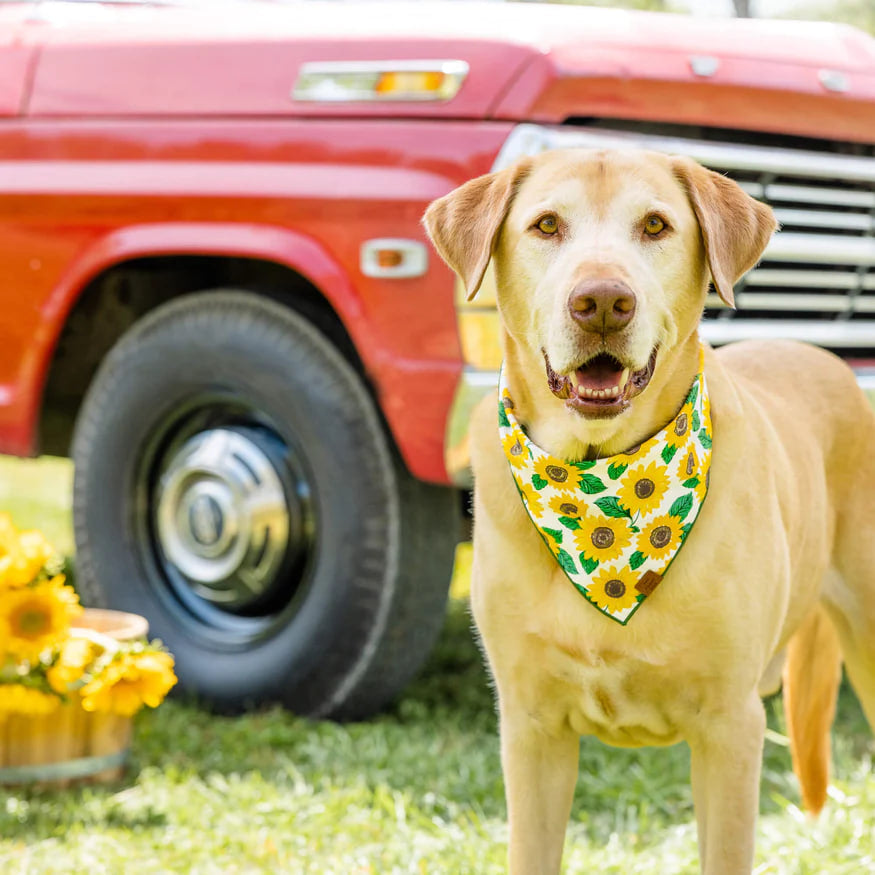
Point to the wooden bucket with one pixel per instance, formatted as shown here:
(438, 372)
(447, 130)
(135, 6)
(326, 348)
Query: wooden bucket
(70, 744)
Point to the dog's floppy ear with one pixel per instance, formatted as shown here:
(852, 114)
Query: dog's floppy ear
(464, 224)
(735, 227)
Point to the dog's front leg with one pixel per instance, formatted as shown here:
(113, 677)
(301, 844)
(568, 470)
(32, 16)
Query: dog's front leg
(540, 771)
(727, 756)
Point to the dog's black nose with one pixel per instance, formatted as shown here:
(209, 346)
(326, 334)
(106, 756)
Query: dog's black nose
(602, 305)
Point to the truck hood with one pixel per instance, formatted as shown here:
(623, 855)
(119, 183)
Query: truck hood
(526, 62)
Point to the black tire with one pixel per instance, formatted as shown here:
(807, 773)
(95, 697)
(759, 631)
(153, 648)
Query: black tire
(356, 601)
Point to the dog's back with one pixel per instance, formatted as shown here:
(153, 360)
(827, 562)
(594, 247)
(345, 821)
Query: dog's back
(827, 401)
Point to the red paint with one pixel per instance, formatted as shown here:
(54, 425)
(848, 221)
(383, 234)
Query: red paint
(135, 131)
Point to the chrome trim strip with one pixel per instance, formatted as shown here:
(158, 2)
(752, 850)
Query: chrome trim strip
(835, 335)
(753, 300)
(318, 81)
(824, 219)
(529, 139)
(821, 249)
(769, 277)
(843, 197)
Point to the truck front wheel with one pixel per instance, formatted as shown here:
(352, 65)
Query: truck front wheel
(234, 484)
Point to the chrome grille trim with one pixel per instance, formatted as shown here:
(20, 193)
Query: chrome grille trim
(532, 139)
(820, 266)
(834, 335)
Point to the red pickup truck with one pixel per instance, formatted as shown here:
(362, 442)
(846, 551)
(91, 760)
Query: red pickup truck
(218, 299)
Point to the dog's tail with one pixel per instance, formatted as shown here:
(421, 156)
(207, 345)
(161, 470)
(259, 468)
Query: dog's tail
(812, 674)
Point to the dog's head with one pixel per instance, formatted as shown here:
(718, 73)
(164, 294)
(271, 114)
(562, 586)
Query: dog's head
(601, 261)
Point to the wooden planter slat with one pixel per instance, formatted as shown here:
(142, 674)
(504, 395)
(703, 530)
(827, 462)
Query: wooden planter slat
(71, 744)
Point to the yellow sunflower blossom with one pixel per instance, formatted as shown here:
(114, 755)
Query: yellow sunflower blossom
(515, 450)
(567, 504)
(614, 588)
(533, 499)
(602, 538)
(19, 699)
(686, 463)
(678, 432)
(22, 555)
(130, 681)
(660, 537)
(557, 473)
(643, 488)
(36, 618)
(74, 658)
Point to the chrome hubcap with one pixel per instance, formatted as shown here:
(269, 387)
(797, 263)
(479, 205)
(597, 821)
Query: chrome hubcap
(223, 517)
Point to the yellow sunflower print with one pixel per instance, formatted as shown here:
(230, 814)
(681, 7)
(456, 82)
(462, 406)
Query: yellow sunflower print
(643, 488)
(515, 450)
(558, 474)
(602, 538)
(613, 589)
(533, 499)
(567, 504)
(686, 463)
(660, 537)
(678, 432)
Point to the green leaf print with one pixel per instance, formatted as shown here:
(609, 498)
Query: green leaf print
(682, 506)
(566, 561)
(589, 565)
(569, 522)
(694, 392)
(615, 470)
(636, 560)
(591, 484)
(686, 529)
(705, 439)
(610, 506)
(555, 534)
(584, 465)
(538, 481)
(668, 452)
(695, 420)
(503, 421)
(692, 483)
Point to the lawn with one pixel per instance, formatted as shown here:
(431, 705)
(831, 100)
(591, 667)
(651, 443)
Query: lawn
(417, 790)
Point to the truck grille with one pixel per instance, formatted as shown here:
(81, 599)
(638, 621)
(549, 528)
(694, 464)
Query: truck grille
(816, 281)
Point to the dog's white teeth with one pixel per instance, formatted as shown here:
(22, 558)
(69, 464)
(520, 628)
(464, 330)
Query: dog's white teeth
(624, 378)
(615, 391)
(575, 379)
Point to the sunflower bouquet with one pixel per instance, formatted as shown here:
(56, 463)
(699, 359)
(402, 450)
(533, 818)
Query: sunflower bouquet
(47, 660)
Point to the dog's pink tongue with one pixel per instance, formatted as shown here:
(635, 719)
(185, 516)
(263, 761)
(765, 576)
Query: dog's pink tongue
(601, 373)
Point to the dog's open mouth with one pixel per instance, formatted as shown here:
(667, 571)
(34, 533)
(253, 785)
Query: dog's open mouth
(602, 386)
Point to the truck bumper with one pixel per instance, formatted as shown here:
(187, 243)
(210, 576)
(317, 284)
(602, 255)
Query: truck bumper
(474, 385)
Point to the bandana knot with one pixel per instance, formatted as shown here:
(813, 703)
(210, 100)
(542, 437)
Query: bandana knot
(615, 525)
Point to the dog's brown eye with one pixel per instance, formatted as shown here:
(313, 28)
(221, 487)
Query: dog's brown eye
(653, 225)
(548, 225)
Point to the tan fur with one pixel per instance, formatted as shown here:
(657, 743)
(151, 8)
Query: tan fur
(787, 525)
(811, 683)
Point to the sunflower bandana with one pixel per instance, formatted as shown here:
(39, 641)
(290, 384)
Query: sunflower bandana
(616, 524)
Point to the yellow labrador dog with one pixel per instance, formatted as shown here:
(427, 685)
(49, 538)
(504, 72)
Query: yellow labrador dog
(602, 261)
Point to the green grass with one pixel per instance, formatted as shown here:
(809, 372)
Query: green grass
(417, 790)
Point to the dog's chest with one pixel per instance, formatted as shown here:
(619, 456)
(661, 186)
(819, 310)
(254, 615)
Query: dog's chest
(639, 684)
(621, 699)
